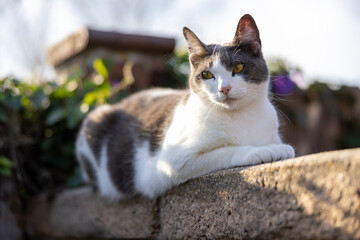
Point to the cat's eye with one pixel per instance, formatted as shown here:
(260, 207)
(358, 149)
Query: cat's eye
(238, 68)
(207, 75)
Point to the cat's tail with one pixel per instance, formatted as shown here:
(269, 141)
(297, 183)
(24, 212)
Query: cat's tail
(85, 159)
(92, 155)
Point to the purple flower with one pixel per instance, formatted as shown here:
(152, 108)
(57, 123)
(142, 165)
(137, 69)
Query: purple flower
(282, 84)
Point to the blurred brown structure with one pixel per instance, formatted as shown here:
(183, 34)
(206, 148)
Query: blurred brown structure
(142, 56)
(320, 118)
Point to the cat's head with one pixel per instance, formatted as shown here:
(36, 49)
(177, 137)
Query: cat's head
(229, 75)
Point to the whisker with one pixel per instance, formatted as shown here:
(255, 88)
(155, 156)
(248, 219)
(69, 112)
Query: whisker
(235, 49)
(216, 45)
(226, 53)
(284, 115)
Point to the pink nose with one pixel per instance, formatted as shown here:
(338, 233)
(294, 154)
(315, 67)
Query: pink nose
(225, 89)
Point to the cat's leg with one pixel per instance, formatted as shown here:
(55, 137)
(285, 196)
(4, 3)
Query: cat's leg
(227, 157)
(158, 173)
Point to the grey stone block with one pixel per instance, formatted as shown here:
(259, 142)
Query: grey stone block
(81, 213)
(311, 197)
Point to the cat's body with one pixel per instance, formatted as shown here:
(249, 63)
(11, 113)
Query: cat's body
(160, 138)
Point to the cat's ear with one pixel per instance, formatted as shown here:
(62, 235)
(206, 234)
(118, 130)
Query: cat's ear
(247, 34)
(195, 46)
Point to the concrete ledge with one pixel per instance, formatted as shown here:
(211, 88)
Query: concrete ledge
(311, 197)
(81, 213)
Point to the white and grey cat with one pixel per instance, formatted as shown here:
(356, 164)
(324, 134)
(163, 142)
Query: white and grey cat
(159, 138)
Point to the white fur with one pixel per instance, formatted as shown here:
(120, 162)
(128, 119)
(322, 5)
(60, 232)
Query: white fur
(107, 188)
(150, 178)
(82, 147)
(195, 145)
(161, 92)
(242, 92)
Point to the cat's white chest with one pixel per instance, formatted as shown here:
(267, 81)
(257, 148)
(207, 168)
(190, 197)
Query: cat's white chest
(240, 129)
(254, 127)
(200, 130)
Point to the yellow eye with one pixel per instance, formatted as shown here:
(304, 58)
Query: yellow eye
(238, 68)
(207, 75)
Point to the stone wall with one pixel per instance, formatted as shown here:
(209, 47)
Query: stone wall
(311, 197)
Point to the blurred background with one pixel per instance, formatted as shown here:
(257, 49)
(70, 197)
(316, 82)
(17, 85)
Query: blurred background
(61, 58)
(321, 37)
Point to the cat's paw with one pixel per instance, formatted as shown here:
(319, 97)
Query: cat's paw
(271, 153)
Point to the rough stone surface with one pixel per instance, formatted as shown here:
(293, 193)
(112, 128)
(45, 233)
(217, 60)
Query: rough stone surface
(81, 213)
(311, 197)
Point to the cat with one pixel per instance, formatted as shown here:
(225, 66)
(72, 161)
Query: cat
(160, 138)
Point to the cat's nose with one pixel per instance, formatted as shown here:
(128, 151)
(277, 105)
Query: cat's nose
(225, 89)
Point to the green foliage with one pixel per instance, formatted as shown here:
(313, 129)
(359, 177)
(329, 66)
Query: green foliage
(280, 65)
(54, 102)
(75, 179)
(101, 66)
(49, 114)
(179, 67)
(277, 65)
(5, 166)
(3, 117)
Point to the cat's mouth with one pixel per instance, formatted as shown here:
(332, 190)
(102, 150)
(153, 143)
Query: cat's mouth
(225, 101)
(230, 100)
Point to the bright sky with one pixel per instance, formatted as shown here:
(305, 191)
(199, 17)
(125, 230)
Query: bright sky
(321, 37)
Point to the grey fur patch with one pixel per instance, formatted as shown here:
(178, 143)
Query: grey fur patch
(118, 130)
(153, 113)
(94, 130)
(255, 70)
(121, 150)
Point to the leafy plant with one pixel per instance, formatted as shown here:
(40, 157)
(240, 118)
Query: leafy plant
(39, 123)
(5, 166)
(179, 67)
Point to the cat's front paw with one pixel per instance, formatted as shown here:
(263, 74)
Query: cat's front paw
(271, 153)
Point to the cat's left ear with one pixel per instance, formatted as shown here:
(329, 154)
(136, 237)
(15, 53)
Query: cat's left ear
(195, 46)
(247, 34)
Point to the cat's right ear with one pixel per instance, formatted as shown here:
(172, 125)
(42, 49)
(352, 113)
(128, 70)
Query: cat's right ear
(195, 46)
(247, 34)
